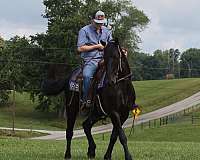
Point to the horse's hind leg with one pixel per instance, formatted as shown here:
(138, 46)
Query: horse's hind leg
(71, 111)
(87, 126)
(69, 134)
(115, 118)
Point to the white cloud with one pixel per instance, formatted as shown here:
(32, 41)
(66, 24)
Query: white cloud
(9, 29)
(174, 23)
(21, 18)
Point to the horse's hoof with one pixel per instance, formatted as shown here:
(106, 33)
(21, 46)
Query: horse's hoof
(107, 158)
(91, 157)
(129, 158)
(68, 157)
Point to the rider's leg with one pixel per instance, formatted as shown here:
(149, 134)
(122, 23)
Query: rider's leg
(88, 72)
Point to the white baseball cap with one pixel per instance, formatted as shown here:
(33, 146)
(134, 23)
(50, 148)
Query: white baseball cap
(99, 17)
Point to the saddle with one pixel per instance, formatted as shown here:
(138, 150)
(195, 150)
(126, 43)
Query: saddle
(76, 80)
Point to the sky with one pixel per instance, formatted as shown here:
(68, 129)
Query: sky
(173, 23)
(21, 17)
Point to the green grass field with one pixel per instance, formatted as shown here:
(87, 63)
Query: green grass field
(52, 150)
(176, 141)
(151, 95)
(179, 141)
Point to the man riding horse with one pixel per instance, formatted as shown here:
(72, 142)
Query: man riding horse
(91, 51)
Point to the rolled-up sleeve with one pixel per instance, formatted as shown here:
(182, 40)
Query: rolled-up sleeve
(82, 38)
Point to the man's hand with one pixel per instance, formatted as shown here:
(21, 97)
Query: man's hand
(125, 51)
(100, 47)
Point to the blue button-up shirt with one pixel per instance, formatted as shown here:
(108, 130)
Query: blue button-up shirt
(89, 36)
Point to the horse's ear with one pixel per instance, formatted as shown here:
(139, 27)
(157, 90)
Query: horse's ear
(103, 43)
(116, 41)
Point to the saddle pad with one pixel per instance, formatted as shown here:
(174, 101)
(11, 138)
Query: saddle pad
(75, 86)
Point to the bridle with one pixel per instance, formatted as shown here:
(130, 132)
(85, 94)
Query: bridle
(120, 66)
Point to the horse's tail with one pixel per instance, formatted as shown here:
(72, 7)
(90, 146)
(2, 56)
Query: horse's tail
(52, 87)
(54, 84)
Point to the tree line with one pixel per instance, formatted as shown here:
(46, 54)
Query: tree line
(25, 62)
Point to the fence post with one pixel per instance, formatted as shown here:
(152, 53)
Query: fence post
(154, 123)
(192, 119)
(31, 127)
(163, 121)
(13, 110)
(166, 120)
(160, 121)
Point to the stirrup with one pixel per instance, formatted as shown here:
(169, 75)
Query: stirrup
(88, 103)
(84, 109)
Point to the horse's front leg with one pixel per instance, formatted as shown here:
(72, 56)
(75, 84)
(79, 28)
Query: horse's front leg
(87, 126)
(115, 118)
(113, 138)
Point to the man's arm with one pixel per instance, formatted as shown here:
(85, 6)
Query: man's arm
(82, 43)
(86, 48)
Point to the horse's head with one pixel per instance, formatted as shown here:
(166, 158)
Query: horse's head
(115, 62)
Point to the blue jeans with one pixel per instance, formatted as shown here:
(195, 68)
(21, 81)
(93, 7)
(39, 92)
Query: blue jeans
(88, 72)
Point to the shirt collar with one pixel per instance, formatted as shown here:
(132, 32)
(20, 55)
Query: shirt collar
(93, 28)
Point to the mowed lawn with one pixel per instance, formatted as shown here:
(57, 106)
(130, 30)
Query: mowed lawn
(155, 94)
(179, 141)
(12, 149)
(151, 95)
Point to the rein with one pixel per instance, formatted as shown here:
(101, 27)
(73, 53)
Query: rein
(120, 60)
(120, 67)
(125, 77)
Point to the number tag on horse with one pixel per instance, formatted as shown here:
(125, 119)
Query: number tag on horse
(73, 86)
(136, 112)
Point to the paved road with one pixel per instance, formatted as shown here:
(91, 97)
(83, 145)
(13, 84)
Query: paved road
(171, 109)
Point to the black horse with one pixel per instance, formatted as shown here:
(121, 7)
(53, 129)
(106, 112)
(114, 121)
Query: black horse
(114, 100)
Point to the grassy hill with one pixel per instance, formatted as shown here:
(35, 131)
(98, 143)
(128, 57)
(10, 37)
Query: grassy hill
(151, 95)
(155, 94)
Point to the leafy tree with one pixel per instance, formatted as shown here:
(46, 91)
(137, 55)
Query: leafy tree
(58, 44)
(2, 43)
(10, 69)
(65, 18)
(190, 63)
(3, 85)
(127, 19)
